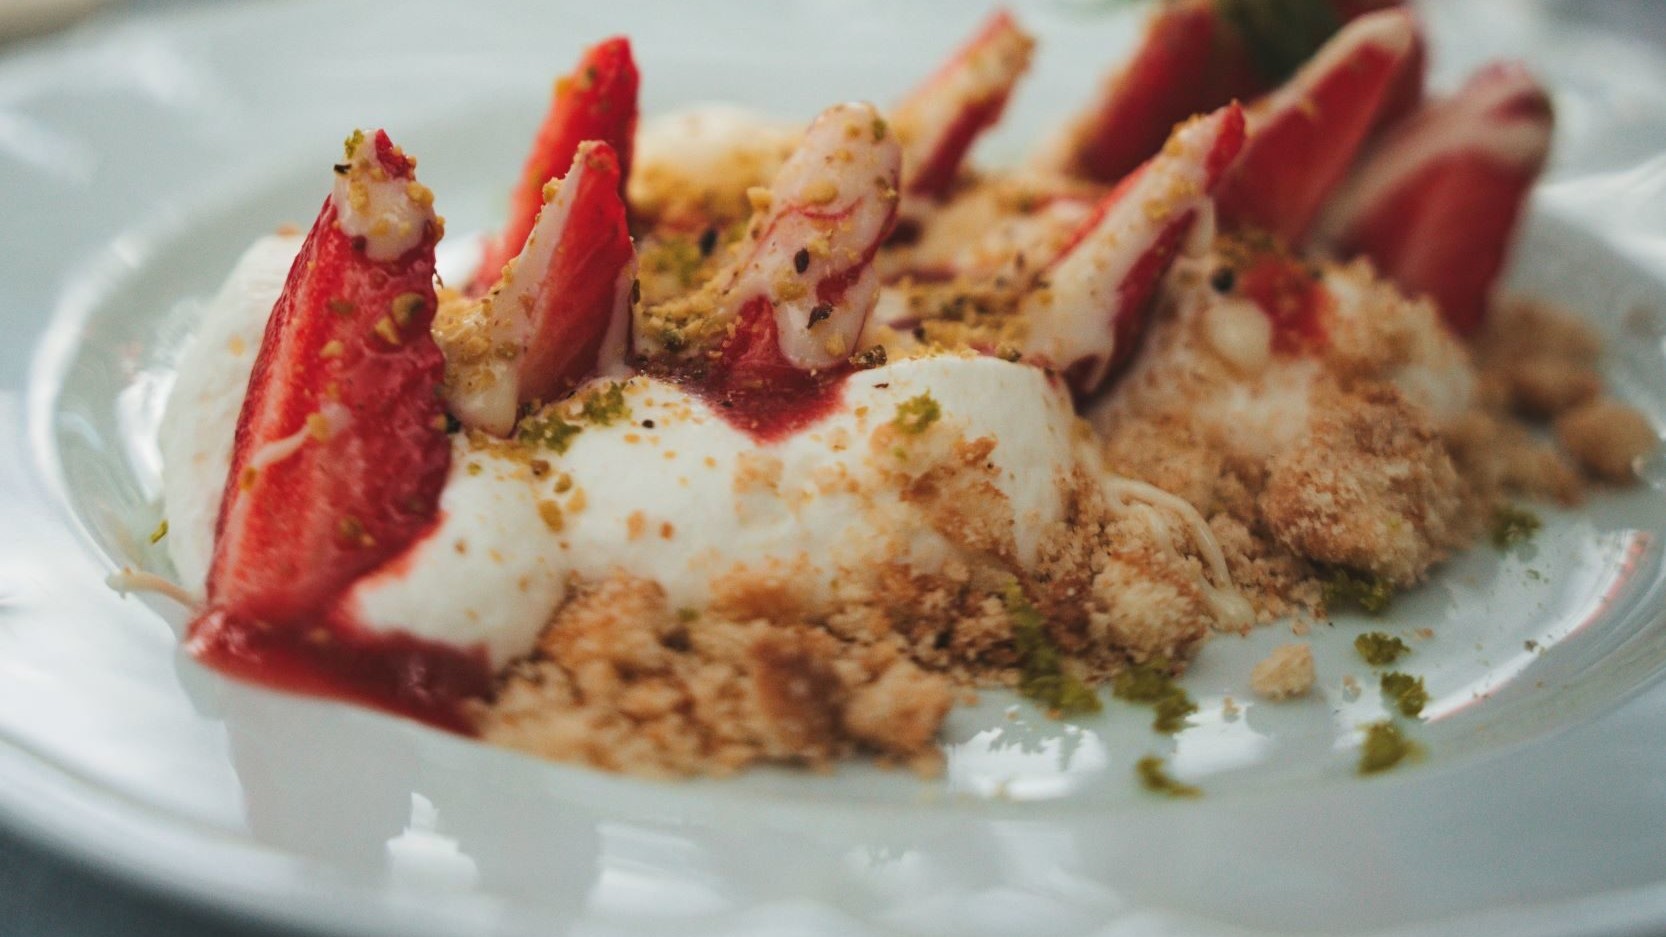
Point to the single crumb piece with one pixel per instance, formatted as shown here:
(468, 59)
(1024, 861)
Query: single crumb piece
(1380, 650)
(1385, 746)
(1406, 692)
(1154, 778)
(1608, 439)
(1285, 674)
(1350, 687)
(1513, 526)
(1229, 707)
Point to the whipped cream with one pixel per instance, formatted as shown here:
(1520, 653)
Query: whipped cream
(674, 493)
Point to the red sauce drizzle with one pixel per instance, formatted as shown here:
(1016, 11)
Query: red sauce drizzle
(1290, 296)
(396, 673)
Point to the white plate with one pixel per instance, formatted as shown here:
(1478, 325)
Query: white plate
(138, 159)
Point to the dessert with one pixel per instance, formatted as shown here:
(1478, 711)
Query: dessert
(746, 442)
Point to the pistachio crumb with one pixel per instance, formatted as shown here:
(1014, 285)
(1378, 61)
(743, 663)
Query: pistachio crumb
(1154, 777)
(1379, 649)
(916, 414)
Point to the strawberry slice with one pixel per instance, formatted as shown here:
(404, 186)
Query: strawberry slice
(1436, 204)
(597, 101)
(1304, 136)
(939, 120)
(560, 314)
(1194, 57)
(809, 266)
(340, 452)
(770, 336)
(1087, 314)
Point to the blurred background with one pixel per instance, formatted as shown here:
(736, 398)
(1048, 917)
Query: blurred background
(44, 895)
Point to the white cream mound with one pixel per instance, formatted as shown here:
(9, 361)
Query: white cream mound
(690, 503)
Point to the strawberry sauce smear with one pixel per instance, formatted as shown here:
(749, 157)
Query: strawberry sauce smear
(396, 673)
(1294, 302)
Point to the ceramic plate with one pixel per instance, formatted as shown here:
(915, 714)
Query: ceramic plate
(139, 157)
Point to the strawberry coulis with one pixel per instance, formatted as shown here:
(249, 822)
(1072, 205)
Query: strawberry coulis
(1292, 300)
(393, 672)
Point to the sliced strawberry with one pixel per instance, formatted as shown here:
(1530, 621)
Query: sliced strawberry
(597, 101)
(1194, 57)
(561, 312)
(810, 264)
(340, 452)
(1086, 315)
(1167, 80)
(1304, 136)
(941, 119)
(1437, 203)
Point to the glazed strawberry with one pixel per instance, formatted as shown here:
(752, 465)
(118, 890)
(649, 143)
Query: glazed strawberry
(1194, 57)
(1436, 204)
(597, 101)
(560, 314)
(340, 451)
(776, 327)
(807, 263)
(1086, 315)
(1304, 136)
(939, 121)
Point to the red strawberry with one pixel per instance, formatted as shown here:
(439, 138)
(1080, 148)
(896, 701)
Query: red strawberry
(563, 305)
(1194, 57)
(597, 101)
(1304, 136)
(1436, 203)
(939, 121)
(810, 266)
(340, 451)
(1086, 317)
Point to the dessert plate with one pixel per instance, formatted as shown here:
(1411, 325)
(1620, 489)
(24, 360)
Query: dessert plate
(141, 155)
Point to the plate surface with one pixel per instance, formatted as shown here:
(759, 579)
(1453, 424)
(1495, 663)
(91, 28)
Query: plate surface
(140, 157)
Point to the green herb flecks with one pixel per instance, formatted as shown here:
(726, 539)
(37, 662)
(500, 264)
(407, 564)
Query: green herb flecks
(160, 531)
(1380, 650)
(1513, 526)
(1406, 692)
(1371, 593)
(1041, 673)
(677, 256)
(1152, 683)
(1279, 35)
(605, 407)
(1155, 778)
(1384, 747)
(916, 414)
(549, 431)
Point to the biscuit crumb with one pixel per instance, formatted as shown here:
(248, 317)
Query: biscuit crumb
(1286, 673)
(1608, 439)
